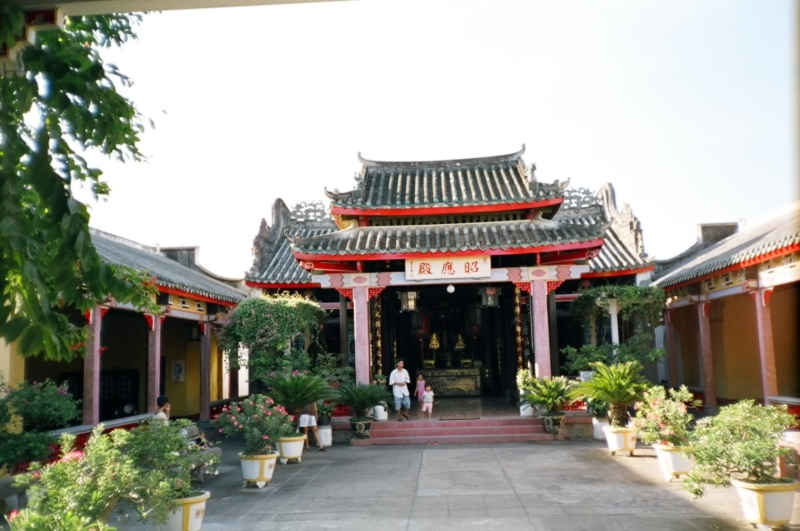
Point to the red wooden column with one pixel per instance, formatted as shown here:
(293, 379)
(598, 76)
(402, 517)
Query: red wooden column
(766, 347)
(361, 329)
(672, 351)
(706, 359)
(91, 367)
(205, 372)
(153, 360)
(541, 328)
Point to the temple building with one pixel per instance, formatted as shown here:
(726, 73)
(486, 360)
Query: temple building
(463, 268)
(133, 357)
(731, 318)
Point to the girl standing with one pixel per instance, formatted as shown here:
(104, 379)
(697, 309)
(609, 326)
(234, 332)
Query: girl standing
(420, 389)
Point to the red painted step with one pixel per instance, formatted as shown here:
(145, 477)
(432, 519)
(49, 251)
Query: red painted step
(491, 422)
(416, 430)
(456, 439)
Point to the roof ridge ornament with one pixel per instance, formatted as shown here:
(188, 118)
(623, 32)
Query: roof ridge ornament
(493, 159)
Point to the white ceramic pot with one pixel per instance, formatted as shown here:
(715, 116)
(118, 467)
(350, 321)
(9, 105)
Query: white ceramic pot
(672, 461)
(769, 504)
(292, 448)
(585, 376)
(189, 514)
(597, 428)
(258, 469)
(380, 413)
(620, 439)
(325, 435)
(526, 411)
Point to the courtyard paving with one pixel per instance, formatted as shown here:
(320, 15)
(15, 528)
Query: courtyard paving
(556, 486)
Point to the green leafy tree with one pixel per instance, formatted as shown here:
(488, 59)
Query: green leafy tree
(61, 104)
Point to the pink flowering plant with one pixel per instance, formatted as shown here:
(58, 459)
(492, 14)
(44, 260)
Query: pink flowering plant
(259, 419)
(663, 417)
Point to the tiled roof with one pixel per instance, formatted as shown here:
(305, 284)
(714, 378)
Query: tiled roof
(282, 267)
(620, 251)
(168, 273)
(485, 236)
(467, 182)
(773, 235)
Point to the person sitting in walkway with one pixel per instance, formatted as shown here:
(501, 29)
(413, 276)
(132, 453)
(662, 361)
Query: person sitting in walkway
(308, 421)
(162, 411)
(399, 380)
(427, 401)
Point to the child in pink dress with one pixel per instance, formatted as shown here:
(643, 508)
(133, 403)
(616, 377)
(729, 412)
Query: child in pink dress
(420, 389)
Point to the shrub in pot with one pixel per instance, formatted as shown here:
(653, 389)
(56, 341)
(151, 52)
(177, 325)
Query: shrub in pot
(263, 424)
(361, 398)
(663, 420)
(741, 446)
(325, 411)
(550, 395)
(619, 385)
(599, 411)
(329, 367)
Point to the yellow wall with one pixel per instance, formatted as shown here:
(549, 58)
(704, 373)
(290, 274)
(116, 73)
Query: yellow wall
(12, 365)
(216, 369)
(686, 326)
(737, 368)
(184, 397)
(783, 306)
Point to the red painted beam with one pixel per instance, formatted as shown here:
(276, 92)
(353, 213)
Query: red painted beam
(265, 285)
(621, 273)
(735, 267)
(441, 254)
(447, 210)
(565, 257)
(194, 296)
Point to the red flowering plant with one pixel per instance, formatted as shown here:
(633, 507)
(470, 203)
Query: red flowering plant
(259, 420)
(662, 417)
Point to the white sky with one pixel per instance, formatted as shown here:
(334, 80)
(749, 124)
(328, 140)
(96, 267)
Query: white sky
(686, 107)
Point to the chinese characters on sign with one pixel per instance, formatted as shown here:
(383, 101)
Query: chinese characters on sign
(453, 267)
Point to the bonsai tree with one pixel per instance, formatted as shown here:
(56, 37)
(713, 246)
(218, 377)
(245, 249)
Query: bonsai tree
(741, 442)
(296, 391)
(361, 397)
(550, 393)
(275, 330)
(618, 385)
(662, 417)
(259, 419)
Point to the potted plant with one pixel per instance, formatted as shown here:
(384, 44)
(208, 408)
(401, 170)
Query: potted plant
(579, 361)
(325, 412)
(550, 394)
(360, 398)
(599, 412)
(380, 411)
(329, 367)
(618, 385)
(523, 382)
(263, 424)
(295, 391)
(741, 446)
(663, 419)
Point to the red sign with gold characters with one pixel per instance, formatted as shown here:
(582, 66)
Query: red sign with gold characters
(449, 268)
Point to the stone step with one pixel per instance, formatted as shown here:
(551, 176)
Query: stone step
(490, 422)
(457, 439)
(419, 429)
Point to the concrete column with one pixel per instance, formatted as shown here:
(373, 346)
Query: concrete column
(766, 347)
(672, 351)
(361, 328)
(706, 359)
(343, 342)
(613, 312)
(153, 364)
(541, 328)
(91, 369)
(205, 373)
(553, 326)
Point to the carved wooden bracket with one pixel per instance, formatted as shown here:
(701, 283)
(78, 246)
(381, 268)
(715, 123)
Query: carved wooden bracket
(151, 322)
(553, 284)
(523, 286)
(375, 291)
(347, 292)
(202, 328)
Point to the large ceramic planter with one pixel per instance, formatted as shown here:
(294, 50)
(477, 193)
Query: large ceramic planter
(258, 469)
(769, 504)
(292, 448)
(361, 427)
(672, 461)
(380, 413)
(189, 514)
(325, 435)
(526, 411)
(553, 424)
(597, 428)
(620, 439)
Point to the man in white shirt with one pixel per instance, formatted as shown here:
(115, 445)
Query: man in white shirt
(399, 380)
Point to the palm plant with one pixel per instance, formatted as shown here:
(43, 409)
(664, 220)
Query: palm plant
(294, 392)
(550, 393)
(361, 397)
(619, 385)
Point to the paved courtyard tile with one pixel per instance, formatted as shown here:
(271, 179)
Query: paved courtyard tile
(555, 486)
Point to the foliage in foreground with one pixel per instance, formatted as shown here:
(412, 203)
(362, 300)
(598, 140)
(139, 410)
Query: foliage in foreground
(662, 417)
(741, 442)
(262, 422)
(63, 102)
(637, 348)
(618, 385)
(550, 393)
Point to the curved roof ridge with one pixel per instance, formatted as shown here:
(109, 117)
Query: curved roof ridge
(510, 157)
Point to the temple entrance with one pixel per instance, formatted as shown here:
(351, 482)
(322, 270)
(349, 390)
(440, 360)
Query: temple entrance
(462, 341)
